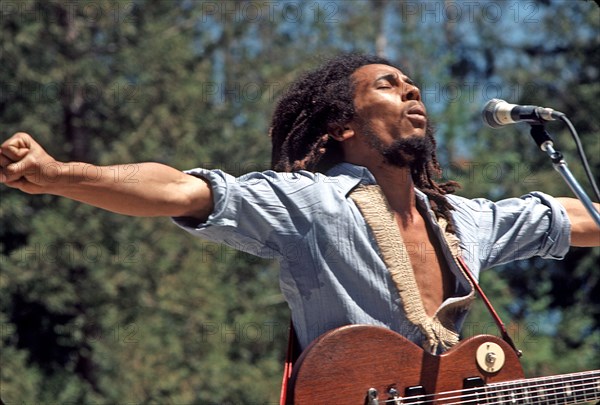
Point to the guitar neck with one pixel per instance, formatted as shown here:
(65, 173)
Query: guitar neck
(575, 388)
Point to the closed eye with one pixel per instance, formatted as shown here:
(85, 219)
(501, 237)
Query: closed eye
(387, 81)
(384, 83)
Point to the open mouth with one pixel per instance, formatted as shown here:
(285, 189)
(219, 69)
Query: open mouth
(417, 116)
(417, 110)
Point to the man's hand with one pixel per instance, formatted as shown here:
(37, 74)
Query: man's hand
(23, 163)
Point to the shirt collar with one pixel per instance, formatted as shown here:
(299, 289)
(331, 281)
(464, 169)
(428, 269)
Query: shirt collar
(348, 176)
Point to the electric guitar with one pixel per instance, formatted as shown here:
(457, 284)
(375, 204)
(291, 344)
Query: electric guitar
(359, 364)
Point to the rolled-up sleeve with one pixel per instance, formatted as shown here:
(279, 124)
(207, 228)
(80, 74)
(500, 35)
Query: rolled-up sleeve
(258, 213)
(494, 233)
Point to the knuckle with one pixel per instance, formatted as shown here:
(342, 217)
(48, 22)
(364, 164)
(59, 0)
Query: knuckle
(13, 169)
(21, 135)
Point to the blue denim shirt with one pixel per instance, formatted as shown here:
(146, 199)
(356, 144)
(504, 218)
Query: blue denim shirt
(331, 271)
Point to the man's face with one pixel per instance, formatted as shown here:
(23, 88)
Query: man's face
(389, 115)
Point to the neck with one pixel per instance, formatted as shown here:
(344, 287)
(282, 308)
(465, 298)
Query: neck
(397, 185)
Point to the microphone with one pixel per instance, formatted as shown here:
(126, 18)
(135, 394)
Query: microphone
(497, 113)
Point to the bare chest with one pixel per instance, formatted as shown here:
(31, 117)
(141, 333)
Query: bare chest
(432, 275)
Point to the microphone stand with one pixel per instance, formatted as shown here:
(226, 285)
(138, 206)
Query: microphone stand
(544, 141)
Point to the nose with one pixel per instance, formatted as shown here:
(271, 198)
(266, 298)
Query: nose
(410, 92)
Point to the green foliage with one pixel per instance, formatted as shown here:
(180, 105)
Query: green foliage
(98, 308)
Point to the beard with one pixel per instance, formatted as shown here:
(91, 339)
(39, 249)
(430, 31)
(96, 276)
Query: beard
(412, 151)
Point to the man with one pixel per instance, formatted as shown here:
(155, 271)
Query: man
(363, 232)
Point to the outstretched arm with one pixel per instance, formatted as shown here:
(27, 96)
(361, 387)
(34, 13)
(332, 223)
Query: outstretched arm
(140, 189)
(584, 231)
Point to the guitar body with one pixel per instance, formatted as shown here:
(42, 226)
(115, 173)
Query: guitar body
(342, 366)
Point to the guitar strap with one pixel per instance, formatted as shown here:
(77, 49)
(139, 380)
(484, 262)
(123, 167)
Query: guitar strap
(504, 333)
(291, 355)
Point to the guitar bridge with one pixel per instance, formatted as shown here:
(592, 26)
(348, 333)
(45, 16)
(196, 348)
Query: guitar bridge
(394, 397)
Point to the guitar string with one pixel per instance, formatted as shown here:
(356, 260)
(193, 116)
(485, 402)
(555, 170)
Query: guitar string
(500, 399)
(486, 393)
(515, 396)
(587, 382)
(503, 398)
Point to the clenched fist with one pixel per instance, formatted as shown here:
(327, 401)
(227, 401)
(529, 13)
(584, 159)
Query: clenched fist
(25, 165)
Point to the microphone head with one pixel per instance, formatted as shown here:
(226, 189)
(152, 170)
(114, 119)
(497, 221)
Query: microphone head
(488, 115)
(497, 113)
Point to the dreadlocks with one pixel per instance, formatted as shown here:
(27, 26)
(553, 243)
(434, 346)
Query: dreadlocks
(324, 98)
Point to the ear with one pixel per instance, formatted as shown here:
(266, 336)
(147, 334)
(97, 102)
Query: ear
(341, 133)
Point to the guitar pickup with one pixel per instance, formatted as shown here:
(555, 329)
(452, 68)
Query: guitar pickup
(415, 394)
(471, 393)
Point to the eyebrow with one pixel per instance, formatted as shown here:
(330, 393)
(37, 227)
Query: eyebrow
(409, 81)
(392, 77)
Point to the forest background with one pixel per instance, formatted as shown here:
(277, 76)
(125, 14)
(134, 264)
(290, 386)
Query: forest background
(106, 309)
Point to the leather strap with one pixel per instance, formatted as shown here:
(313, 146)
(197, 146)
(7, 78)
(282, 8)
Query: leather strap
(290, 357)
(489, 306)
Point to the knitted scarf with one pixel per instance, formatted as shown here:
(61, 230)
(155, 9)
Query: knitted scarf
(438, 330)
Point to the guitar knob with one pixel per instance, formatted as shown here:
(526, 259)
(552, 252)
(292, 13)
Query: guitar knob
(490, 357)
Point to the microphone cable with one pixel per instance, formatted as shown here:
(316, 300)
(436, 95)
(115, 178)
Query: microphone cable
(584, 161)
